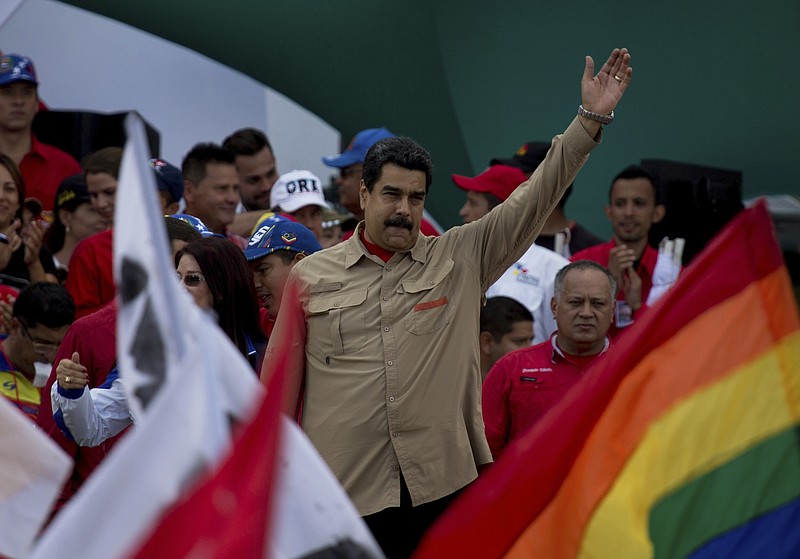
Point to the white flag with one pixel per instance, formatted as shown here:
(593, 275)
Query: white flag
(312, 511)
(32, 471)
(185, 381)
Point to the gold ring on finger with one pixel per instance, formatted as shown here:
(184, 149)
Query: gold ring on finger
(618, 78)
(67, 379)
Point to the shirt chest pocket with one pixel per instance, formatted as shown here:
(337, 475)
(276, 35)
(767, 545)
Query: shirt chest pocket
(336, 322)
(433, 302)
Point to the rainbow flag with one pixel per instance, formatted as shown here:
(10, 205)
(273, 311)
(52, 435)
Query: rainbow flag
(684, 442)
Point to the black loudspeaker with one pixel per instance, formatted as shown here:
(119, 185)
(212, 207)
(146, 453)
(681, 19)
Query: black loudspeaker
(699, 202)
(81, 133)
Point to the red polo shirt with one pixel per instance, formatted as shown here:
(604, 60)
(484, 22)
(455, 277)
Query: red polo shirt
(523, 385)
(43, 168)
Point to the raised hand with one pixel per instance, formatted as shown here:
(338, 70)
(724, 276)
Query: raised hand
(71, 374)
(632, 288)
(12, 243)
(600, 93)
(32, 235)
(620, 259)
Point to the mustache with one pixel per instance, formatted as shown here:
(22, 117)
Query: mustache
(399, 221)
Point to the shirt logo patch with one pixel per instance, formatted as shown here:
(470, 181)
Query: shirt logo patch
(521, 273)
(430, 304)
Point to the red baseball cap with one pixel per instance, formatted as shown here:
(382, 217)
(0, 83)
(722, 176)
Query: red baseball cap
(498, 180)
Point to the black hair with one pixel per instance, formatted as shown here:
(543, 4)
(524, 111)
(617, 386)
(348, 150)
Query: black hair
(106, 160)
(286, 255)
(56, 234)
(635, 172)
(492, 200)
(231, 283)
(499, 315)
(403, 152)
(48, 304)
(247, 141)
(195, 162)
(558, 284)
(179, 230)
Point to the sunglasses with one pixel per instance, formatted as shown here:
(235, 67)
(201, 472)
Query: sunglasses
(191, 280)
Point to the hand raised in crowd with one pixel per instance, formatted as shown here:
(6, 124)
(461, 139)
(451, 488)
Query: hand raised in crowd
(32, 235)
(600, 93)
(12, 242)
(620, 264)
(620, 258)
(632, 288)
(71, 374)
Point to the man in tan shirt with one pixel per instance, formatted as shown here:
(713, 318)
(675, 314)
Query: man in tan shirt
(380, 340)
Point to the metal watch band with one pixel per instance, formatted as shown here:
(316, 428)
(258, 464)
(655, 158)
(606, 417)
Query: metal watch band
(603, 119)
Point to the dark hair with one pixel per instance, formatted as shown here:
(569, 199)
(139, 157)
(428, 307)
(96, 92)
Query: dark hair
(635, 172)
(54, 236)
(16, 176)
(231, 284)
(247, 141)
(179, 230)
(195, 162)
(286, 255)
(106, 160)
(499, 315)
(492, 200)
(558, 284)
(49, 304)
(403, 152)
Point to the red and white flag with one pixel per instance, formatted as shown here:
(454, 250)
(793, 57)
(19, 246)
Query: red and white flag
(177, 485)
(32, 470)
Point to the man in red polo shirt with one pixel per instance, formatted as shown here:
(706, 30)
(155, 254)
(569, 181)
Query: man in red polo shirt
(43, 167)
(632, 209)
(524, 384)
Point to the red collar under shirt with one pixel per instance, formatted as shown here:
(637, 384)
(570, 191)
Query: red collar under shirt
(374, 249)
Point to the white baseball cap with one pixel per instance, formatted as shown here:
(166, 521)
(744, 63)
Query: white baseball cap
(297, 189)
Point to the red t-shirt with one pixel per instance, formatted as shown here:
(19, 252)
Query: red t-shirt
(43, 168)
(90, 280)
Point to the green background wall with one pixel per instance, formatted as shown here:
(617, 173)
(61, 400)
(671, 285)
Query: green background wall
(715, 83)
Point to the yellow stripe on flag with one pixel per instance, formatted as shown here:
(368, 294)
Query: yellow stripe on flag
(706, 430)
(705, 351)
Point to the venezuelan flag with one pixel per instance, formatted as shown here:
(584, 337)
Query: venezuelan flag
(684, 442)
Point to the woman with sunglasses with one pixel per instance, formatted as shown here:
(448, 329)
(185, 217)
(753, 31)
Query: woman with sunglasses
(215, 272)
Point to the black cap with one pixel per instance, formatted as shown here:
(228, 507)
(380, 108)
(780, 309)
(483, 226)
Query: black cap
(529, 156)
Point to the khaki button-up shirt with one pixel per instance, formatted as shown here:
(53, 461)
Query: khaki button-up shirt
(389, 351)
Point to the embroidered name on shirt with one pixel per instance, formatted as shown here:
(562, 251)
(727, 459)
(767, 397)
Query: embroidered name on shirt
(430, 304)
(520, 273)
(537, 370)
